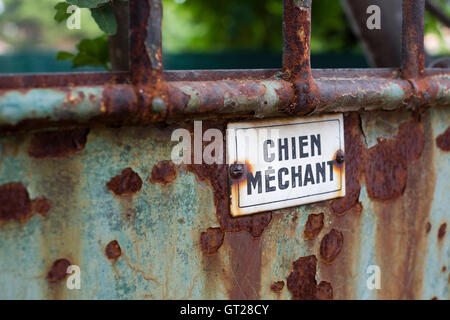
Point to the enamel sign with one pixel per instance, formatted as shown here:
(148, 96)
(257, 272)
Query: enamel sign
(282, 163)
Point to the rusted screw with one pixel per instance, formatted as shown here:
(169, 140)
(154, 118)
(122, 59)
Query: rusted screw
(340, 158)
(236, 171)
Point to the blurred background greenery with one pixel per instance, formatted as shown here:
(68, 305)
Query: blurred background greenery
(196, 34)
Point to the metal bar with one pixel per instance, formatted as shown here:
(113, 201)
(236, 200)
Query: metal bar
(296, 54)
(296, 42)
(413, 57)
(15, 81)
(340, 91)
(155, 96)
(146, 41)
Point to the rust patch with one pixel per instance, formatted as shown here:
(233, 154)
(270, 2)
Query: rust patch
(164, 173)
(385, 171)
(58, 271)
(331, 246)
(113, 250)
(302, 283)
(211, 240)
(277, 286)
(119, 105)
(443, 140)
(428, 227)
(314, 225)
(128, 182)
(244, 280)
(296, 57)
(384, 166)
(441, 232)
(354, 164)
(444, 268)
(400, 243)
(324, 291)
(15, 203)
(41, 206)
(57, 144)
(386, 163)
(218, 177)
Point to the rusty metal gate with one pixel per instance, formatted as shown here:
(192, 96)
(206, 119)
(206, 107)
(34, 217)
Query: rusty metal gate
(86, 179)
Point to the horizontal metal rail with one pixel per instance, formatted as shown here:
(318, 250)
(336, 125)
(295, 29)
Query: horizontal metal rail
(214, 99)
(147, 94)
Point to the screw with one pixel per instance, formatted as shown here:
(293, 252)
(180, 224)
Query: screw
(340, 158)
(237, 171)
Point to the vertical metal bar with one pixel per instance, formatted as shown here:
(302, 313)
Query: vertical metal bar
(297, 34)
(413, 57)
(296, 54)
(145, 41)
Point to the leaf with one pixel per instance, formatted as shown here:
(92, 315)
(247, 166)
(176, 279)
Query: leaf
(105, 18)
(61, 11)
(88, 3)
(64, 55)
(92, 52)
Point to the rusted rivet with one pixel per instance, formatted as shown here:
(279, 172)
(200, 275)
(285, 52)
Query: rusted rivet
(340, 158)
(236, 171)
(158, 105)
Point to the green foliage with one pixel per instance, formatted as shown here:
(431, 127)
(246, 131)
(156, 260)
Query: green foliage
(90, 52)
(434, 26)
(27, 25)
(61, 12)
(211, 26)
(105, 18)
(232, 25)
(101, 11)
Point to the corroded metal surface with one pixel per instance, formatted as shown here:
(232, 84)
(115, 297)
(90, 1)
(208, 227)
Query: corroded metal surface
(123, 104)
(109, 200)
(147, 94)
(111, 216)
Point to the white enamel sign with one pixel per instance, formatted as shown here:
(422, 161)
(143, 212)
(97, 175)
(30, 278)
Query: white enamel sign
(285, 162)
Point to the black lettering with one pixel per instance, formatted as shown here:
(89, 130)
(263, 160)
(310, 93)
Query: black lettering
(303, 143)
(254, 181)
(267, 157)
(320, 171)
(270, 177)
(330, 164)
(309, 177)
(297, 175)
(283, 147)
(281, 185)
(294, 151)
(315, 140)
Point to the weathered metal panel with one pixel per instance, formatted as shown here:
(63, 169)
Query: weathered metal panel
(176, 240)
(109, 200)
